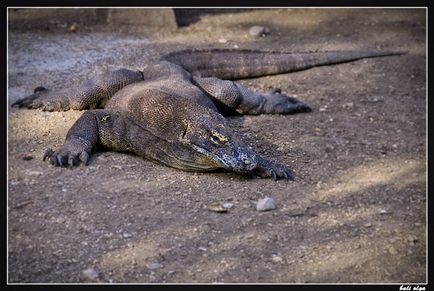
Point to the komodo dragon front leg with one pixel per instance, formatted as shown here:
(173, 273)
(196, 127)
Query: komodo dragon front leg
(100, 128)
(94, 93)
(81, 139)
(235, 96)
(95, 128)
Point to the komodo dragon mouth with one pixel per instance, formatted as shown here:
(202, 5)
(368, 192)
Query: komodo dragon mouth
(231, 162)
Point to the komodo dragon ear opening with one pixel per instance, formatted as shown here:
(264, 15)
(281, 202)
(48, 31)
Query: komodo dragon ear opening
(186, 134)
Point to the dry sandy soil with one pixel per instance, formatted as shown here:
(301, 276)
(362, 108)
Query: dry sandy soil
(356, 211)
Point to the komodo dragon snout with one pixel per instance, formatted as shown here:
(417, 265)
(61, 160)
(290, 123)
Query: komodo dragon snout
(212, 138)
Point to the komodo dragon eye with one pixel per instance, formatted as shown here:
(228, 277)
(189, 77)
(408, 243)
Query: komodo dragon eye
(218, 138)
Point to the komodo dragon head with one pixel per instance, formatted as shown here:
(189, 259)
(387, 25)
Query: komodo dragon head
(209, 136)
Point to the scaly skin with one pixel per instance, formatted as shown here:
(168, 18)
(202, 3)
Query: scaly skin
(169, 113)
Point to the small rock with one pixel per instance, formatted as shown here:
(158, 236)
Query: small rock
(72, 28)
(35, 173)
(223, 40)
(265, 204)
(217, 207)
(258, 30)
(367, 225)
(329, 148)
(153, 266)
(127, 235)
(348, 105)
(411, 239)
(383, 211)
(393, 251)
(90, 274)
(276, 259)
(228, 205)
(28, 157)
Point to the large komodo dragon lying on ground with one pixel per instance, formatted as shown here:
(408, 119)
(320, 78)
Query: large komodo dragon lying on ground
(169, 112)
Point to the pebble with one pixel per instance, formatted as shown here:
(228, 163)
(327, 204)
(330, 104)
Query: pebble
(90, 274)
(375, 99)
(28, 157)
(153, 266)
(228, 205)
(329, 148)
(276, 259)
(348, 105)
(72, 28)
(265, 204)
(34, 173)
(412, 239)
(393, 251)
(367, 225)
(127, 235)
(223, 40)
(258, 30)
(217, 207)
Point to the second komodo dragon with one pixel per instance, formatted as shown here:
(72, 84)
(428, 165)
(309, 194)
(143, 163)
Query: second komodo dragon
(171, 111)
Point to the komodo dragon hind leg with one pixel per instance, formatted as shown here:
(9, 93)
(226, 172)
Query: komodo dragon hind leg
(235, 96)
(91, 94)
(45, 99)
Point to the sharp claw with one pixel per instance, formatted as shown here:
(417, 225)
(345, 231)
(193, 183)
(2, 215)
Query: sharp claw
(53, 160)
(59, 160)
(273, 175)
(71, 161)
(48, 153)
(290, 175)
(84, 157)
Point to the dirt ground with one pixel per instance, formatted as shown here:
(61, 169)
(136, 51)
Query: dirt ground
(356, 211)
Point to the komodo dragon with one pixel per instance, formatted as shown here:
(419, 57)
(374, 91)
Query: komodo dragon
(169, 112)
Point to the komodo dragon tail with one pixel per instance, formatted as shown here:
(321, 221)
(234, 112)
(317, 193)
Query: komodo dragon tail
(233, 64)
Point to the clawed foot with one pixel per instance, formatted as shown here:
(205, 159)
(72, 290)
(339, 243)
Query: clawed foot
(44, 99)
(267, 169)
(66, 157)
(283, 104)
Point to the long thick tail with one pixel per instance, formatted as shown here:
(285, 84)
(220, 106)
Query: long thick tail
(237, 64)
